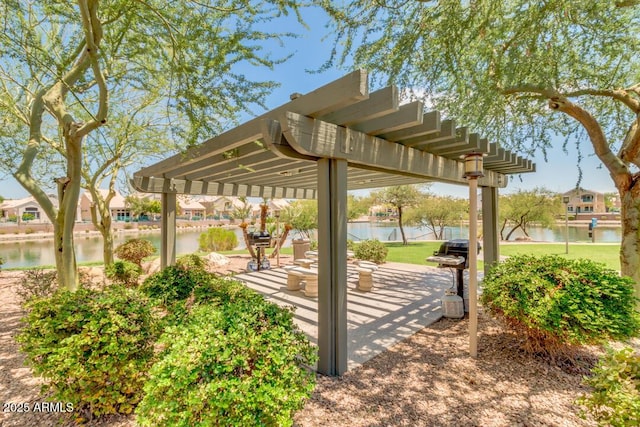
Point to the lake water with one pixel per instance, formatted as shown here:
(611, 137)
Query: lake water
(89, 248)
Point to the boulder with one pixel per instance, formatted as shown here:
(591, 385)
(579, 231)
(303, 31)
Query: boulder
(215, 259)
(152, 267)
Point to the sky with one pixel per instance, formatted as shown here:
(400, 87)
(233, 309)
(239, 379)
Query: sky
(312, 49)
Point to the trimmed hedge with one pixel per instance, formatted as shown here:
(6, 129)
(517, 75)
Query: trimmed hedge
(135, 250)
(94, 348)
(371, 250)
(235, 360)
(123, 273)
(556, 302)
(218, 239)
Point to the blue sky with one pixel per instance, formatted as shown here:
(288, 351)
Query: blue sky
(310, 51)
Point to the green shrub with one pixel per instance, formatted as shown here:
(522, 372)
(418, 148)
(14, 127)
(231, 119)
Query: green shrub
(173, 284)
(123, 273)
(371, 250)
(37, 283)
(191, 262)
(615, 399)
(94, 348)
(135, 250)
(555, 302)
(218, 239)
(241, 363)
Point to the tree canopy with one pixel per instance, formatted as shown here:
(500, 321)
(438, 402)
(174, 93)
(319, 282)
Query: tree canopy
(437, 212)
(528, 75)
(60, 62)
(521, 209)
(401, 197)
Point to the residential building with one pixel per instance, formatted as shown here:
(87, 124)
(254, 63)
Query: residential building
(24, 210)
(117, 207)
(190, 209)
(582, 201)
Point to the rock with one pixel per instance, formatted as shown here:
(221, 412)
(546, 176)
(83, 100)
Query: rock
(215, 259)
(152, 267)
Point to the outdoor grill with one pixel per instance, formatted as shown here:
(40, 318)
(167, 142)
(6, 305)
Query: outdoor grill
(259, 239)
(454, 254)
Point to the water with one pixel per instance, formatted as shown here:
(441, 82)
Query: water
(89, 248)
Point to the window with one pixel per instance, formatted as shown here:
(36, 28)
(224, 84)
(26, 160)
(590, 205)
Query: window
(587, 198)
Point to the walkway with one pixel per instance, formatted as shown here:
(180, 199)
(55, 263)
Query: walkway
(405, 299)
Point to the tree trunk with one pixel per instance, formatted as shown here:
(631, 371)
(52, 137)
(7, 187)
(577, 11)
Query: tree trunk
(630, 218)
(512, 231)
(404, 239)
(246, 241)
(68, 196)
(280, 243)
(101, 219)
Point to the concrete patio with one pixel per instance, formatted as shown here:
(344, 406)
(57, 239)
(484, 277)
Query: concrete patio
(405, 299)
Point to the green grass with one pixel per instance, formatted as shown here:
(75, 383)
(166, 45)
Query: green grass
(413, 253)
(416, 252)
(607, 254)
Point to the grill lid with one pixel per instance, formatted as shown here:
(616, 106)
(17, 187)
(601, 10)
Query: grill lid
(456, 247)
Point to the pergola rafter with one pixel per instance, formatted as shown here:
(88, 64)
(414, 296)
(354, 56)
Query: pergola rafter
(317, 146)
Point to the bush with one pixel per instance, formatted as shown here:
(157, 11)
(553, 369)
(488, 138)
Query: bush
(371, 250)
(37, 283)
(135, 250)
(237, 363)
(173, 284)
(123, 273)
(555, 302)
(615, 399)
(191, 262)
(94, 348)
(218, 239)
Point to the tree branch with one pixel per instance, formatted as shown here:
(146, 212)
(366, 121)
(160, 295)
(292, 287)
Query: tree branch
(613, 163)
(621, 95)
(630, 150)
(93, 35)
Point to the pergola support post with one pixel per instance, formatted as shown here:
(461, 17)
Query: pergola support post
(332, 259)
(490, 236)
(168, 227)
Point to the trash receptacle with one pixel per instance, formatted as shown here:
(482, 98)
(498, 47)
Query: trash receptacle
(300, 246)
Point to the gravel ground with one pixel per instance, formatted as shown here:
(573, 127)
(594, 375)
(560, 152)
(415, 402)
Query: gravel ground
(426, 380)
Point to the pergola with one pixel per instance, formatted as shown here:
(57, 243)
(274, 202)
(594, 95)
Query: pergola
(317, 146)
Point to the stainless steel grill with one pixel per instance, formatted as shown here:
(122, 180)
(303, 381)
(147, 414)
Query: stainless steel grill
(454, 254)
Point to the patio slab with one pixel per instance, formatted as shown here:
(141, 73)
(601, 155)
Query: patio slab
(405, 299)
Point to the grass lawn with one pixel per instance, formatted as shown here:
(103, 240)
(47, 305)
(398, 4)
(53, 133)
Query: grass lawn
(608, 254)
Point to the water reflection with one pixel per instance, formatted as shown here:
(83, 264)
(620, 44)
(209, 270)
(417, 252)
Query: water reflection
(89, 248)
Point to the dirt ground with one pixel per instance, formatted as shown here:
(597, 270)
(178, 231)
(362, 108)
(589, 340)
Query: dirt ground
(426, 380)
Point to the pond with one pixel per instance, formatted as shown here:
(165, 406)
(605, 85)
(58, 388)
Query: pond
(32, 253)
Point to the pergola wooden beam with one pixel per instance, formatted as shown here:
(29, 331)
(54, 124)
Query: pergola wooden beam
(336, 95)
(161, 185)
(430, 125)
(317, 138)
(380, 103)
(408, 115)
